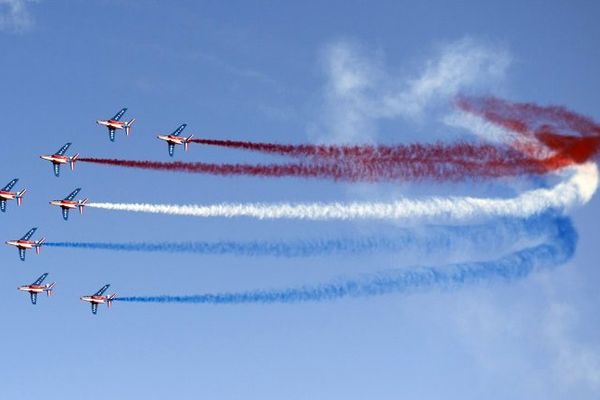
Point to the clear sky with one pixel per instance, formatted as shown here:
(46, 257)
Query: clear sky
(299, 72)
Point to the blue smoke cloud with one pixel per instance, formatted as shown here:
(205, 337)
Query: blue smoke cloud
(424, 240)
(556, 250)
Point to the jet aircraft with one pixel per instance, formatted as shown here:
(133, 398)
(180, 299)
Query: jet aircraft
(37, 287)
(6, 194)
(99, 298)
(69, 203)
(59, 158)
(115, 123)
(174, 139)
(24, 243)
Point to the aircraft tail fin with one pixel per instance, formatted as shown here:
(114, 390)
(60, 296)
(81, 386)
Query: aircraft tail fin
(81, 205)
(110, 299)
(73, 160)
(38, 245)
(128, 126)
(20, 196)
(50, 288)
(186, 143)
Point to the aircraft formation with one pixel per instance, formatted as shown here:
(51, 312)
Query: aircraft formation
(59, 158)
(535, 145)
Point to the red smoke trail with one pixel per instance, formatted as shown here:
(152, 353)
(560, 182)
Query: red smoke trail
(393, 156)
(573, 137)
(398, 153)
(351, 171)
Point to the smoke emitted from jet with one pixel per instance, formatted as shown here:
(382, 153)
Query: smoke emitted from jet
(558, 249)
(439, 152)
(425, 240)
(385, 168)
(577, 189)
(552, 138)
(420, 161)
(571, 138)
(565, 132)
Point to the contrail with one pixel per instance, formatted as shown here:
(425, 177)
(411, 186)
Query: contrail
(577, 189)
(424, 240)
(559, 248)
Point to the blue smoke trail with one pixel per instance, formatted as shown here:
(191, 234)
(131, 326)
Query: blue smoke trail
(425, 240)
(559, 248)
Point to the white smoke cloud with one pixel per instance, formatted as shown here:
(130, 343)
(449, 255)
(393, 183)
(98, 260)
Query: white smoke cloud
(360, 91)
(14, 16)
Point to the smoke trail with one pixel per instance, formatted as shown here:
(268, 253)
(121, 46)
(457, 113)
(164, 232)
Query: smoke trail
(547, 124)
(458, 161)
(574, 138)
(529, 118)
(559, 248)
(359, 170)
(578, 189)
(373, 164)
(400, 153)
(423, 241)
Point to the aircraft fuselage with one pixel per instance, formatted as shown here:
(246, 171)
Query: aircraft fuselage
(66, 203)
(57, 159)
(95, 299)
(173, 139)
(8, 195)
(22, 244)
(111, 123)
(34, 288)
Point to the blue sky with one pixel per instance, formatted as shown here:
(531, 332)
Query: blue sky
(290, 73)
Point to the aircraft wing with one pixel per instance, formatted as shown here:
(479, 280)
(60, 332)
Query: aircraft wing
(10, 185)
(180, 129)
(101, 291)
(94, 308)
(56, 169)
(40, 279)
(65, 213)
(171, 149)
(33, 297)
(63, 150)
(3, 205)
(29, 234)
(111, 134)
(118, 115)
(22, 254)
(73, 194)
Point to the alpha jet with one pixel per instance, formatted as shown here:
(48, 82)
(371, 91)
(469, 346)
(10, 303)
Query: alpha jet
(69, 203)
(37, 287)
(115, 123)
(99, 298)
(25, 244)
(174, 139)
(59, 158)
(6, 194)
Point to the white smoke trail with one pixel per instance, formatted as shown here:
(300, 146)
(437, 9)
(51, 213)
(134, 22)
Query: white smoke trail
(576, 189)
